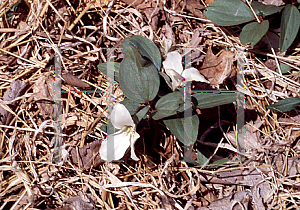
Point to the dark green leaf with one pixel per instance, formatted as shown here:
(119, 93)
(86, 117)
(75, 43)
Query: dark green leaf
(139, 79)
(111, 67)
(131, 105)
(201, 158)
(289, 26)
(169, 105)
(253, 32)
(265, 10)
(208, 100)
(185, 129)
(229, 12)
(218, 163)
(142, 113)
(166, 78)
(285, 105)
(109, 128)
(145, 47)
(284, 69)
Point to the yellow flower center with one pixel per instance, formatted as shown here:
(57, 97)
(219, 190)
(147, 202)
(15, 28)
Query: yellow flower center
(128, 130)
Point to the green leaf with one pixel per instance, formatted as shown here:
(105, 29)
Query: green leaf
(289, 26)
(285, 105)
(229, 12)
(218, 163)
(265, 10)
(166, 78)
(284, 69)
(139, 79)
(111, 67)
(109, 128)
(201, 158)
(142, 113)
(131, 106)
(208, 100)
(185, 129)
(169, 105)
(145, 47)
(253, 32)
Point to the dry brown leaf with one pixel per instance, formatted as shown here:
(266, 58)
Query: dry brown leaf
(133, 2)
(75, 119)
(194, 6)
(44, 95)
(13, 92)
(271, 64)
(152, 16)
(82, 201)
(168, 32)
(289, 166)
(102, 3)
(208, 2)
(252, 136)
(238, 200)
(22, 25)
(70, 79)
(88, 155)
(273, 2)
(295, 133)
(194, 43)
(217, 69)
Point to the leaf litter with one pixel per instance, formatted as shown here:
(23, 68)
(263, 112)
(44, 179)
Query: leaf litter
(269, 180)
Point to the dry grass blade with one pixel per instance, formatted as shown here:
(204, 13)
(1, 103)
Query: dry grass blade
(81, 32)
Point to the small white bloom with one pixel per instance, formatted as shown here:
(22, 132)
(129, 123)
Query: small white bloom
(126, 137)
(167, 44)
(178, 75)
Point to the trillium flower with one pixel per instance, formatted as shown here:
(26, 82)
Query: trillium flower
(167, 44)
(178, 75)
(123, 139)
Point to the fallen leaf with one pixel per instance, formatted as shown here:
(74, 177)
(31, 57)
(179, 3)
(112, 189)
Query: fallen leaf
(271, 64)
(13, 92)
(88, 155)
(44, 95)
(102, 3)
(289, 121)
(237, 200)
(217, 69)
(22, 25)
(273, 2)
(75, 119)
(81, 201)
(133, 2)
(194, 43)
(193, 6)
(70, 79)
(252, 136)
(208, 2)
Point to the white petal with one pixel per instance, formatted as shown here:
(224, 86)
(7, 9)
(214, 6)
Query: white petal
(167, 44)
(192, 74)
(132, 142)
(121, 143)
(175, 77)
(120, 117)
(173, 61)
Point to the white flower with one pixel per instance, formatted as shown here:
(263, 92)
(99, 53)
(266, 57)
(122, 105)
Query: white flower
(126, 137)
(167, 44)
(174, 70)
